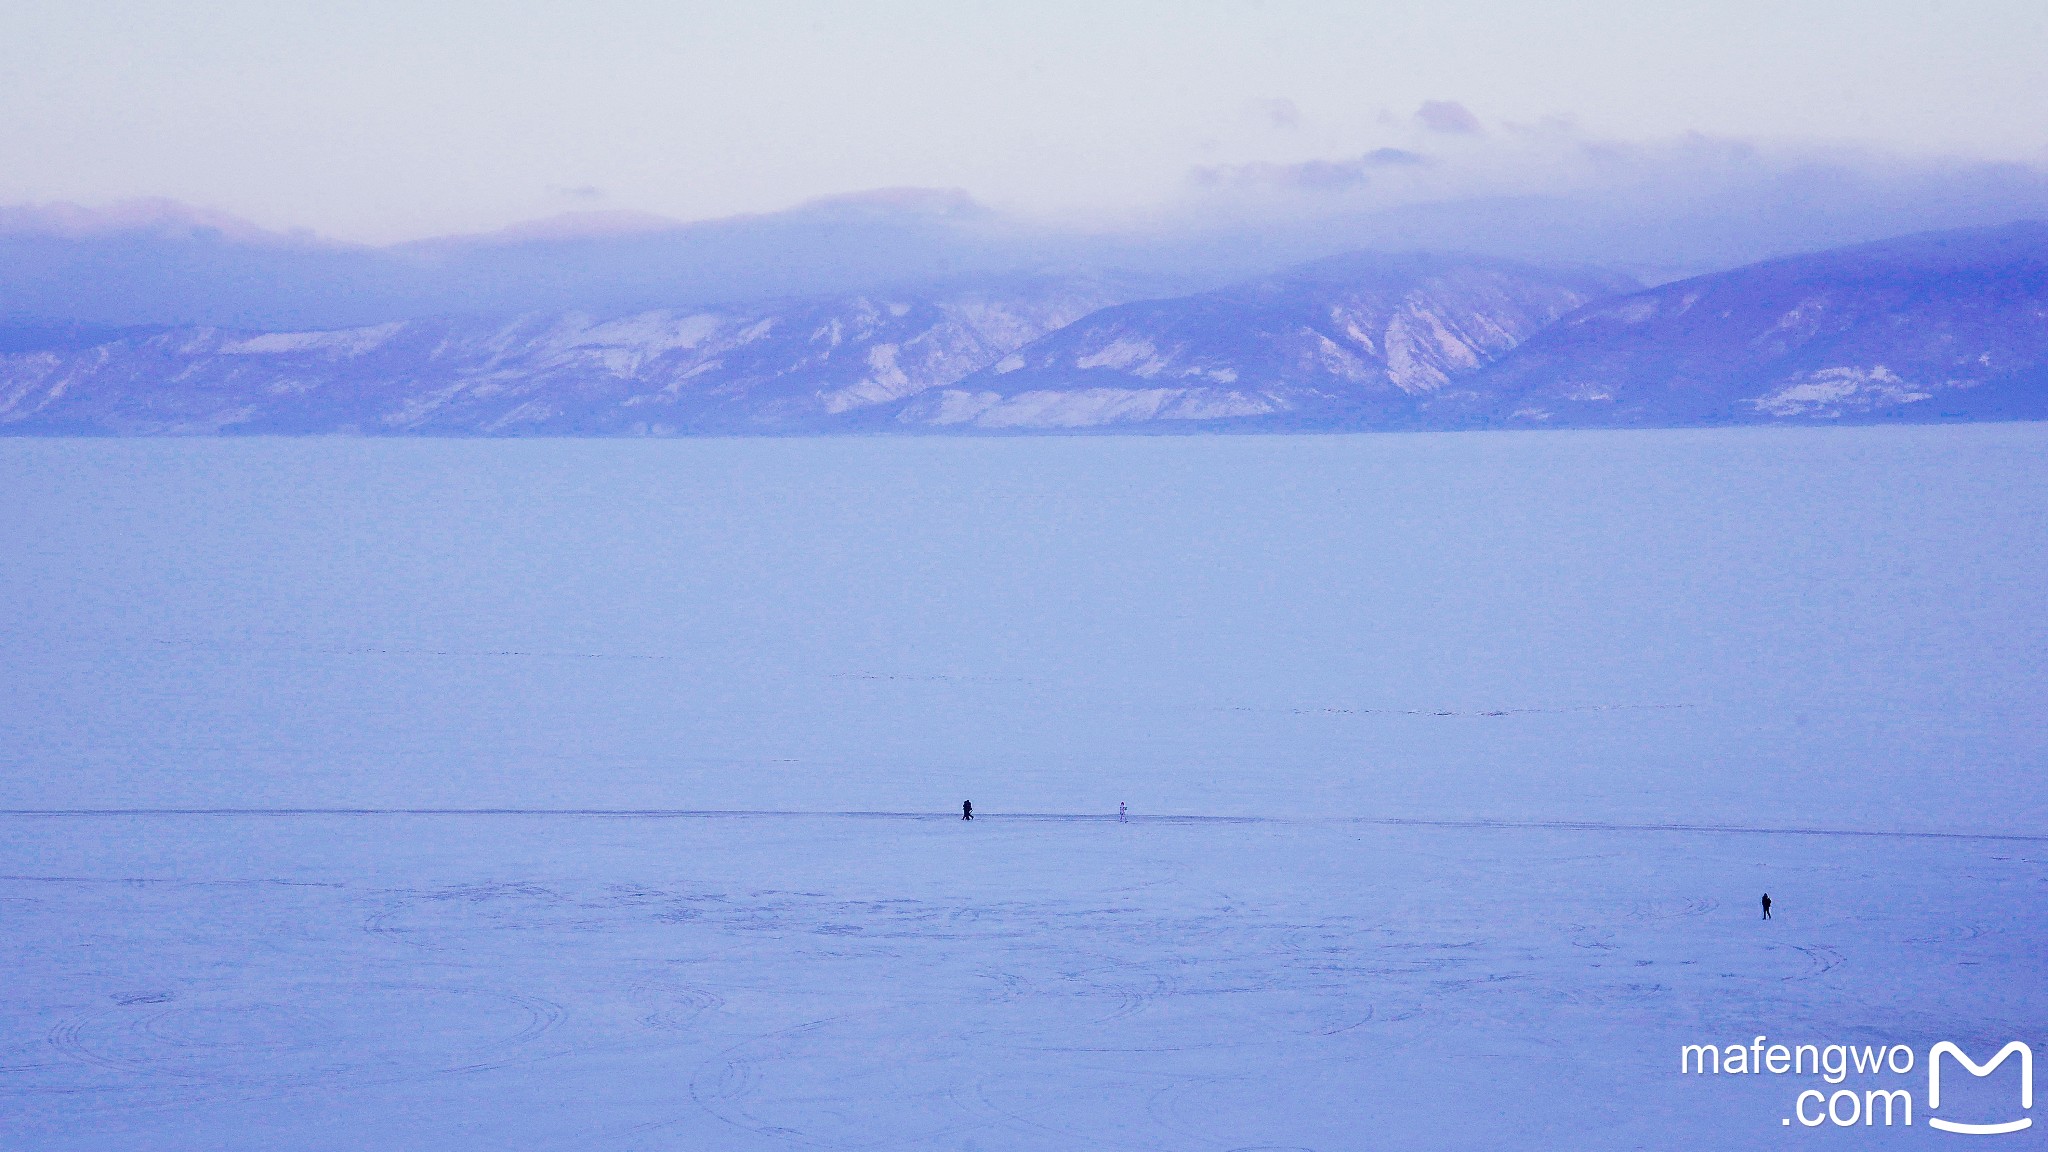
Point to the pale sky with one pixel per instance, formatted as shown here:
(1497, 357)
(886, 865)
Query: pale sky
(382, 121)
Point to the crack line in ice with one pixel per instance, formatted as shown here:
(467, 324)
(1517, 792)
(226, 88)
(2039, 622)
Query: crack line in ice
(1040, 817)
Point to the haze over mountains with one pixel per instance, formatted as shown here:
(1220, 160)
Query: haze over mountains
(1554, 197)
(922, 312)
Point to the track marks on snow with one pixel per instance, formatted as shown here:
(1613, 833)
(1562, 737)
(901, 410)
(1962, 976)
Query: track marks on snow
(222, 1042)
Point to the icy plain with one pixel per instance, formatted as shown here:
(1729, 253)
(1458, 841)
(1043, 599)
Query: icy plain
(593, 795)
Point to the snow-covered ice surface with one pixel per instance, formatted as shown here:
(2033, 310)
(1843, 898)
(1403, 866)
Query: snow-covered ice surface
(1457, 766)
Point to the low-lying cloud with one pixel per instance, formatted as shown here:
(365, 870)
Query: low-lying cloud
(1447, 116)
(1549, 191)
(1545, 192)
(1311, 175)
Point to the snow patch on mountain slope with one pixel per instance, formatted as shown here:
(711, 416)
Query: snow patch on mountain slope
(650, 333)
(1423, 353)
(886, 381)
(1634, 310)
(1083, 407)
(345, 342)
(1136, 356)
(1838, 391)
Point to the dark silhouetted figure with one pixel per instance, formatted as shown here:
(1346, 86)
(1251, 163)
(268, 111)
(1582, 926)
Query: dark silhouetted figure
(1767, 905)
(967, 812)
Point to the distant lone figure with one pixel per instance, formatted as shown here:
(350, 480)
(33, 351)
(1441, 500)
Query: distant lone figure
(967, 813)
(1123, 814)
(1767, 905)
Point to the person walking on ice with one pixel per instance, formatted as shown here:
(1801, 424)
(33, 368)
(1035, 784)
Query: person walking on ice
(967, 809)
(1123, 814)
(1767, 905)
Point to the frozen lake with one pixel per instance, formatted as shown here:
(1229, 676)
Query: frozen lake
(1457, 766)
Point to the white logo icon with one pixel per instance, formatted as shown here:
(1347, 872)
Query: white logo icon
(1976, 1069)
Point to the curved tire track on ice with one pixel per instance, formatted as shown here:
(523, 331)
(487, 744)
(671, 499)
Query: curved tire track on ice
(259, 1045)
(735, 1086)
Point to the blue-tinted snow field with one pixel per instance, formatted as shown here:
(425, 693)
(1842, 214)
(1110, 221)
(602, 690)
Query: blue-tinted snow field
(603, 795)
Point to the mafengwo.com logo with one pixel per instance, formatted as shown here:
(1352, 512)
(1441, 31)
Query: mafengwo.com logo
(1872, 1085)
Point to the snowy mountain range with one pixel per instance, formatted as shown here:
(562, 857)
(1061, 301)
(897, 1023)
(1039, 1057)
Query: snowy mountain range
(788, 366)
(1938, 326)
(1358, 340)
(1949, 325)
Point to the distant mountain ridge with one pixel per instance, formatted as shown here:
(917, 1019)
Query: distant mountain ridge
(784, 366)
(1355, 340)
(1939, 325)
(1930, 327)
(166, 265)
